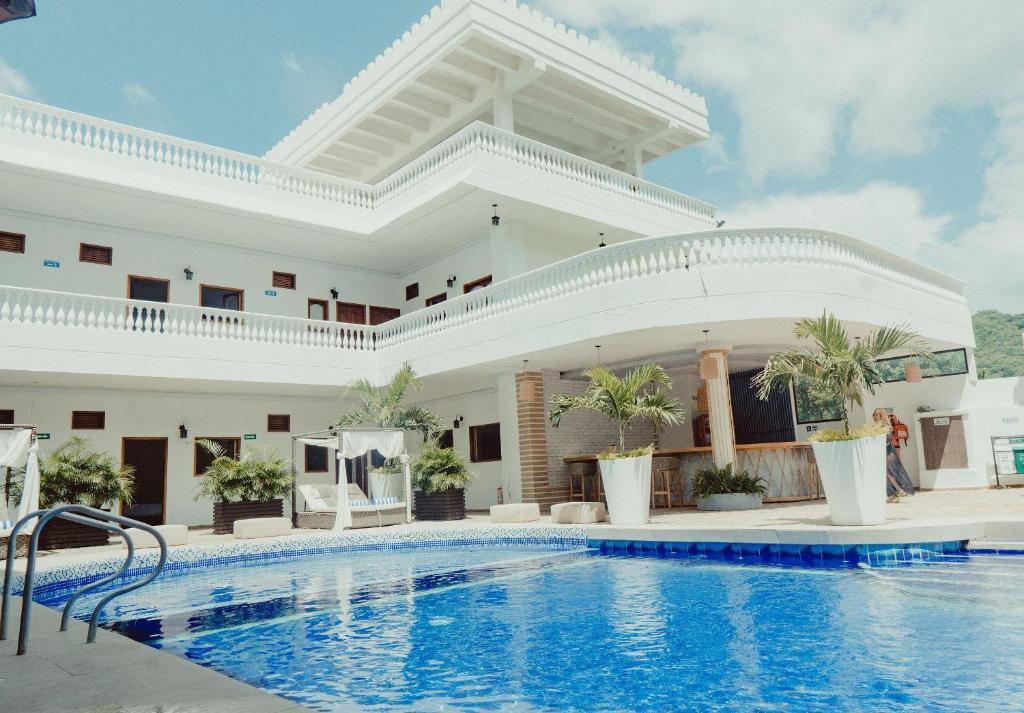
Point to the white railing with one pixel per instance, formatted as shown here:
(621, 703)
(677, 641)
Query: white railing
(153, 320)
(704, 252)
(106, 137)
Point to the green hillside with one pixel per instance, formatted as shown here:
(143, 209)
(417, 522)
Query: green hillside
(1000, 351)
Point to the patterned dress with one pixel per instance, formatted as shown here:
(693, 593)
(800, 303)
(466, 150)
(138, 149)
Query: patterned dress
(897, 481)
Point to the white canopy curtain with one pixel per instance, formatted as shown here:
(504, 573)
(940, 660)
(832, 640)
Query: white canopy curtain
(354, 442)
(18, 447)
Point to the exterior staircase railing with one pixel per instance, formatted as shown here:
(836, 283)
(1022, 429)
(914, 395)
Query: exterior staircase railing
(82, 515)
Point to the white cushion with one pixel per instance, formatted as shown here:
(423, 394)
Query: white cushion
(262, 527)
(172, 534)
(578, 513)
(515, 512)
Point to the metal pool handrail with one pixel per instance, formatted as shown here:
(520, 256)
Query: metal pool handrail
(68, 512)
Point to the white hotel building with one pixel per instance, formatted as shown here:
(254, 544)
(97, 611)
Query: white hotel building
(152, 286)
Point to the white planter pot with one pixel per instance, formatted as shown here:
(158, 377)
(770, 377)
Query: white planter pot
(729, 501)
(627, 488)
(387, 486)
(853, 473)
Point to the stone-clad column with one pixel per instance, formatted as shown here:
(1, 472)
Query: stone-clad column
(723, 434)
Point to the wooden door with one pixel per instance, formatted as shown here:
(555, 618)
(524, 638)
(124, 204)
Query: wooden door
(148, 456)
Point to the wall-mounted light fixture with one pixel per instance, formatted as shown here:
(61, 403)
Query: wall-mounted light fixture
(334, 293)
(182, 431)
(188, 273)
(458, 420)
(602, 244)
(451, 280)
(495, 219)
(719, 223)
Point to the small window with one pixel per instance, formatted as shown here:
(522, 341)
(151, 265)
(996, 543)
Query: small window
(96, 254)
(446, 439)
(485, 443)
(151, 289)
(477, 284)
(316, 309)
(284, 280)
(232, 446)
(6, 416)
(380, 315)
(12, 242)
(220, 297)
(279, 423)
(91, 420)
(437, 299)
(316, 459)
(351, 312)
(412, 291)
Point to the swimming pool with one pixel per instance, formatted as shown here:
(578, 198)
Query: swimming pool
(527, 628)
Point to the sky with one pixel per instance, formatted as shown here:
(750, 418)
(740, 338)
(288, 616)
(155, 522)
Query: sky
(900, 123)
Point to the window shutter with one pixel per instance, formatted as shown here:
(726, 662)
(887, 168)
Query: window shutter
(97, 254)
(91, 420)
(279, 423)
(12, 242)
(284, 280)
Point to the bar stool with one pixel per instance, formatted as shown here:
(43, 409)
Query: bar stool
(663, 470)
(578, 475)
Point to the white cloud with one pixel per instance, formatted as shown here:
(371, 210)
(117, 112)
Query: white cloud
(14, 82)
(291, 63)
(137, 95)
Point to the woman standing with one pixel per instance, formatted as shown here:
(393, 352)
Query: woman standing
(897, 481)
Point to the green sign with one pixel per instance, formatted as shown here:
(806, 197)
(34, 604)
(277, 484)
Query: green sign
(43, 436)
(250, 436)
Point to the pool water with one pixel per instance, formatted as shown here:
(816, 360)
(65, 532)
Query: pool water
(532, 628)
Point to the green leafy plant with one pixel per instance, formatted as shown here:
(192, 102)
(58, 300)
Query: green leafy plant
(839, 368)
(260, 475)
(641, 394)
(436, 469)
(392, 466)
(632, 453)
(722, 481)
(384, 406)
(831, 435)
(76, 474)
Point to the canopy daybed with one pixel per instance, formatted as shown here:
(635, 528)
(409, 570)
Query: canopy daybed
(18, 448)
(346, 501)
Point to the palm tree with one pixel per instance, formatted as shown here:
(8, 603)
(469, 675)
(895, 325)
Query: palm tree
(641, 394)
(842, 370)
(384, 406)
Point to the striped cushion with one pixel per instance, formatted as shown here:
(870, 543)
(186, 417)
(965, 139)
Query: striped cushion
(6, 524)
(358, 502)
(391, 500)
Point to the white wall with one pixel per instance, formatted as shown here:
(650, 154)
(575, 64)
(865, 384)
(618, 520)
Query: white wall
(158, 414)
(469, 262)
(996, 408)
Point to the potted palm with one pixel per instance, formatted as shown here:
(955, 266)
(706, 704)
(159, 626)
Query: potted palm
(851, 461)
(642, 394)
(440, 476)
(385, 407)
(76, 474)
(723, 489)
(251, 486)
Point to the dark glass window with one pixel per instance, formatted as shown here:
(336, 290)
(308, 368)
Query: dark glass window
(950, 362)
(446, 439)
(221, 297)
(6, 416)
(148, 288)
(485, 443)
(412, 291)
(232, 446)
(437, 299)
(316, 459)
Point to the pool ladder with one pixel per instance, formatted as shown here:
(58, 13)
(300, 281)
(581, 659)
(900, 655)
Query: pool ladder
(82, 515)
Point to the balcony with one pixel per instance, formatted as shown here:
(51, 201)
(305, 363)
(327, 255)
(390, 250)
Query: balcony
(644, 297)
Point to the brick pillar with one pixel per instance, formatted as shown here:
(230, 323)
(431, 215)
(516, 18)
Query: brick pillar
(533, 441)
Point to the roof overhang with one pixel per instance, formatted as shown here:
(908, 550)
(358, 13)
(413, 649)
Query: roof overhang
(445, 72)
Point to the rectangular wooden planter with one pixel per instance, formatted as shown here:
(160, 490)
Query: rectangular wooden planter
(225, 514)
(446, 505)
(59, 534)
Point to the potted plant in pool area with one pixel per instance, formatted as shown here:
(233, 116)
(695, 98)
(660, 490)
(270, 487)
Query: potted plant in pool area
(641, 395)
(248, 487)
(724, 489)
(439, 477)
(385, 407)
(76, 474)
(851, 462)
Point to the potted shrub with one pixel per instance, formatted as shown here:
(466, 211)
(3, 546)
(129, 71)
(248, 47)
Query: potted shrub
(642, 394)
(851, 462)
(251, 486)
(384, 407)
(76, 474)
(440, 476)
(723, 489)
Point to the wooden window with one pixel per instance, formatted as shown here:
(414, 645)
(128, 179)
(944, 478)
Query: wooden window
(12, 242)
(437, 299)
(151, 289)
(284, 280)
(279, 423)
(316, 309)
(6, 416)
(380, 315)
(96, 254)
(485, 443)
(412, 291)
(91, 420)
(232, 446)
(446, 439)
(221, 297)
(316, 459)
(351, 312)
(477, 284)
